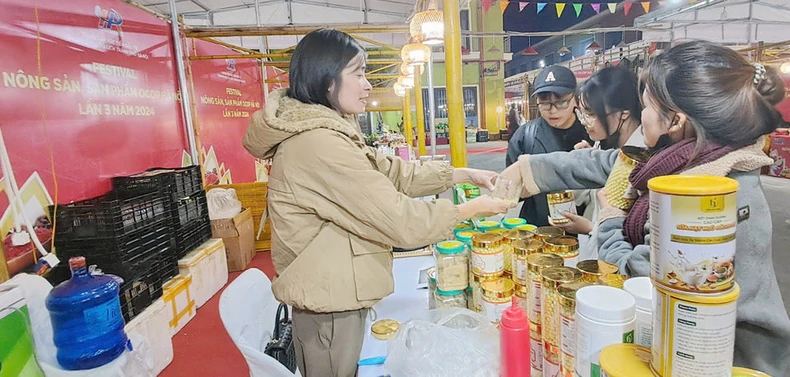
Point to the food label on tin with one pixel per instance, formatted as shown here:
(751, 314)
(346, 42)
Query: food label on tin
(704, 339)
(591, 339)
(550, 369)
(493, 311)
(488, 263)
(534, 302)
(644, 333)
(536, 354)
(522, 303)
(568, 333)
(556, 210)
(520, 272)
(692, 238)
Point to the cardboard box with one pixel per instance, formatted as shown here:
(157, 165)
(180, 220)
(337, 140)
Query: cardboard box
(238, 234)
(779, 150)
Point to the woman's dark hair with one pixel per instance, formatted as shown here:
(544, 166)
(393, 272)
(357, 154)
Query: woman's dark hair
(318, 61)
(724, 98)
(610, 90)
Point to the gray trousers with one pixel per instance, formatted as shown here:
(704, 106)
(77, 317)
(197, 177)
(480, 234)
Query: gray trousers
(328, 344)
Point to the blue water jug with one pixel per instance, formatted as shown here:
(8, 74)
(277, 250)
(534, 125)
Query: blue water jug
(86, 319)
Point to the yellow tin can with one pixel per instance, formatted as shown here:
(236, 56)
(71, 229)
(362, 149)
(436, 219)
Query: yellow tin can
(476, 303)
(560, 202)
(488, 258)
(625, 360)
(546, 232)
(680, 319)
(565, 246)
(613, 280)
(619, 192)
(497, 296)
(594, 269)
(535, 265)
(567, 301)
(553, 277)
(512, 236)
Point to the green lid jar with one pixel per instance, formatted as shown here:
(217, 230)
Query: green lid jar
(487, 225)
(513, 222)
(465, 236)
(451, 299)
(450, 247)
(462, 227)
(527, 227)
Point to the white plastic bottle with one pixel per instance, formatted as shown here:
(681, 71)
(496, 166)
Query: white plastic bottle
(642, 290)
(604, 316)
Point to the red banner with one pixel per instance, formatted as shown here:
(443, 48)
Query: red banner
(88, 89)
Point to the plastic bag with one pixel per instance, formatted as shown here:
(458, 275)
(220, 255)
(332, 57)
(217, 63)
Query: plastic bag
(222, 203)
(454, 342)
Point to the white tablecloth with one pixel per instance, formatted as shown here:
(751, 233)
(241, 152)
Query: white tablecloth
(405, 303)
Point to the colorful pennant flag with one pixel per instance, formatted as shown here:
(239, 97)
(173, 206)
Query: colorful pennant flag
(560, 8)
(627, 6)
(487, 5)
(578, 9)
(612, 7)
(541, 6)
(522, 5)
(596, 8)
(646, 6)
(503, 5)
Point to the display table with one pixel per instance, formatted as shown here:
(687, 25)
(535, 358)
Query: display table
(407, 302)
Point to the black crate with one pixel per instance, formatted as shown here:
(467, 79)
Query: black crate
(138, 294)
(191, 209)
(190, 237)
(177, 183)
(128, 247)
(168, 267)
(109, 216)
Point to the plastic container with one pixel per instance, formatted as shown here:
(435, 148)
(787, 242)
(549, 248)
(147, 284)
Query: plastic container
(594, 269)
(450, 299)
(497, 296)
(625, 360)
(465, 236)
(488, 225)
(604, 316)
(208, 266)
(567, 298)
(560, 202)
(488, 258)
(514, 342)
(545, 232)
(452, 266)
(565, 246)
(553, 277)
(462, 227)
(86, 319)
(513, 222)
(178, 298)
(642, 290)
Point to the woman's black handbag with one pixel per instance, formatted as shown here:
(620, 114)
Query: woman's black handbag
(281, 347)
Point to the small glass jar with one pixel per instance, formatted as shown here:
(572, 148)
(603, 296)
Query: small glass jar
(452, 266)
(553, 277)
(462, 227)
(513, 222)
(488, 257)
(545, 232)
(450, 299)
(477, 292)
(594, 269)
(512, 236)
(497, 296)
(565, 246)
(567, 295)
(619, 192)
(431, 288)
(487, 225)
(535, 264)
(465, 236)
(560, 202)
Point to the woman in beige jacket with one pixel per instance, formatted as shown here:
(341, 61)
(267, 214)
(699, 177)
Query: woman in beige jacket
(338, 207)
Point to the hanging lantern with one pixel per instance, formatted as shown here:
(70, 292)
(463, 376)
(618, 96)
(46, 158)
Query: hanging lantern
(415, 53)
(406, 81)
(594, 47)
(399, 89)
(529, 51)
(428, 27)
(408, 70)
(564, 51)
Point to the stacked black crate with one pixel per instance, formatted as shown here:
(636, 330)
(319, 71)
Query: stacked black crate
(123, 236)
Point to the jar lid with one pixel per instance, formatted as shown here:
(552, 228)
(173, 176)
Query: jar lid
(626, 360)
(466, 235)
(548, 231)
(432, 274)
(537, 262)
(626, 160)
(480, 279)
(487, 240)
(693, 185)
(499, 288)
(642, 290)
(613, 280)
(384, 329)
(558, 196)
(558, 275)
(605, 304)
(527, 227)
(513, 222)
(562, 244)
(743, 372)
(500, 231)
(516, 234)
(450, 247)
(597, 267)
(567, 291)
(463, 226)
(449, 293)
(486, 225)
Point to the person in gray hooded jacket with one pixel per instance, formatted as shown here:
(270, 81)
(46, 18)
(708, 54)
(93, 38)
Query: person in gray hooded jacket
(708, 110)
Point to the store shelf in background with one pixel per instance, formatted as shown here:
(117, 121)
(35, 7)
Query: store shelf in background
(253, 196)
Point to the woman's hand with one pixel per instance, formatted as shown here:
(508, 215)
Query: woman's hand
(603, 203)
(482, 206)
(480, 178)
(513, 173)
(576, 225)
(582, 145)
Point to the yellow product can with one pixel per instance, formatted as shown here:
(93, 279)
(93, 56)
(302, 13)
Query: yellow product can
(693, 245)
(560, 202)
(693, 333)
(743, 372)
(567, 301)
(535, 349)
(535, 265)
(512, 236)
(553, 278)
(565, 246)
(488, 258)
(594, 269)
(497, 296)
(619, 192)
(613, 280)
(476, 303)
(546, 232)
(625, 360)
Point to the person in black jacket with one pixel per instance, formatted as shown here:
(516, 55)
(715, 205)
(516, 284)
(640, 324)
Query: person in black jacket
(557, 129)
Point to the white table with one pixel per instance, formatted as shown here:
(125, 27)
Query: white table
(406, 302)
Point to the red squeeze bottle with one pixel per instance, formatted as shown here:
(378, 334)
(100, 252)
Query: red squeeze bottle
(514, 342)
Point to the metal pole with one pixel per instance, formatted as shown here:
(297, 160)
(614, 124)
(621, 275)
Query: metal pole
(455, 99)
(264, 48)
(431, 107)
(407, 119)
(186, 98)
(420, 112)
